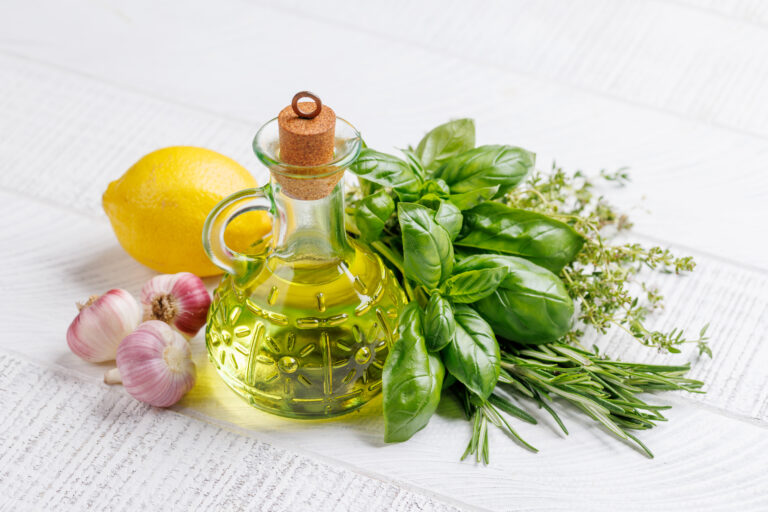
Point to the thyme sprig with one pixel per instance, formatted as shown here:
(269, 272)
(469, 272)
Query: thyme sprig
(601, 277)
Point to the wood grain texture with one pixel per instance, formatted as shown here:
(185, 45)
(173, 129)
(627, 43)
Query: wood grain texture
(734, 302)
(749, 11)
(73, 444)
(692, 183)
(659, 54)
(593, 83)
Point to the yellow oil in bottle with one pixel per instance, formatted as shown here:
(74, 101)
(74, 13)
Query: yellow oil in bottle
(305, 338)
(303, 328)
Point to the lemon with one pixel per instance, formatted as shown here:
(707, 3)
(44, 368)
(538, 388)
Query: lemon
(158, 207)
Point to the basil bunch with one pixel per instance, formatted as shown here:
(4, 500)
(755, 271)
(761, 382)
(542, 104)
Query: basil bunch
(477, 272)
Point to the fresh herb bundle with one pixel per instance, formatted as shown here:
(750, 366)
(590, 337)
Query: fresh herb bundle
(495, 258)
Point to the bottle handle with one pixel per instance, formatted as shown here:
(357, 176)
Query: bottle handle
(247, 200)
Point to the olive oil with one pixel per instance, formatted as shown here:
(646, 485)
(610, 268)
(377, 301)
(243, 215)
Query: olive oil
(301, 328)
(305, 338)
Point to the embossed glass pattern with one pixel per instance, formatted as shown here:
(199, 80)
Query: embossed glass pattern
(303, 328)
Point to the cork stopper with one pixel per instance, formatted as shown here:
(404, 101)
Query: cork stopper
(307, 139)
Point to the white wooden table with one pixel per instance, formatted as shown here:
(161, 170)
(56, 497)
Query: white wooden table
(676, 90)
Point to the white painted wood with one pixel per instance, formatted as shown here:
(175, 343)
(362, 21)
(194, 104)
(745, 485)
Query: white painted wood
(749, 11)
(734, 302)
(660, 54)
(679, 193)
(594, 84)
(71, 444)
(66, 137)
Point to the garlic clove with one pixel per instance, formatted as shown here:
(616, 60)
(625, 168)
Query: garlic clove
(113, 376)
(101, 325)
(155, 364)
(180, 300)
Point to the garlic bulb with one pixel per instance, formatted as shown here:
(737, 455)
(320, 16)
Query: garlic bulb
(180, 300)
(101, 325)
(155, 365)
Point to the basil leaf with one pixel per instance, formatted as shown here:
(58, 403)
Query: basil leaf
(446, 214)
(387, 171)
(472, 198)
(372, 214)
(450, 218)
(449, 380)
(473, 285)
(486, 166)
(531, 305)
(437, 187)
(414, 163)
(368, 187)
(412, 380)
(427, 247)
(445, 142)
(473, 355)
(431, 201)
(545, 241)
(439, 324)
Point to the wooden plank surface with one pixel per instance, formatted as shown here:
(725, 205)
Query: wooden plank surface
(594, 84)
(71, 444)
(659, 54)
(699, 178)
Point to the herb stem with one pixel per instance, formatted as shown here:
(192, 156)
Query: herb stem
(409, 290)
(389, 255)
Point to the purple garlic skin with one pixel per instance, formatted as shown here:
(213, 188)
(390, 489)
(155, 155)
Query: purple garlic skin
(155, 364)
(101, 325)
(180, 300)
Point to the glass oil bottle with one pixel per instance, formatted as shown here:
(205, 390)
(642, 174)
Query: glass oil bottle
(303, 328)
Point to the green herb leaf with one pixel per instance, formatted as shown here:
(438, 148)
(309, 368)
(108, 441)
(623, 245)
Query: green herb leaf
(473, 355)
(427, 247)
(508, 407)
(437, 187)
(387, 171)
(412, 380)
(439, 324)
(473, 285)
(474, 197)
(450, 218)
(372, 213)
(531, 305)
(414, 163)
(603, 389)
(486, 166)
(446, 214)
(445, 142)
(545, 241)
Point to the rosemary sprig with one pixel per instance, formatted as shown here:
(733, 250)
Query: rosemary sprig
(605, 390)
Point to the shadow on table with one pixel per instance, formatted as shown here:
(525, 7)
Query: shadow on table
(213, 399)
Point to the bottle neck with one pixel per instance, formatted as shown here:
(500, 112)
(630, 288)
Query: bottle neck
(310, 233)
